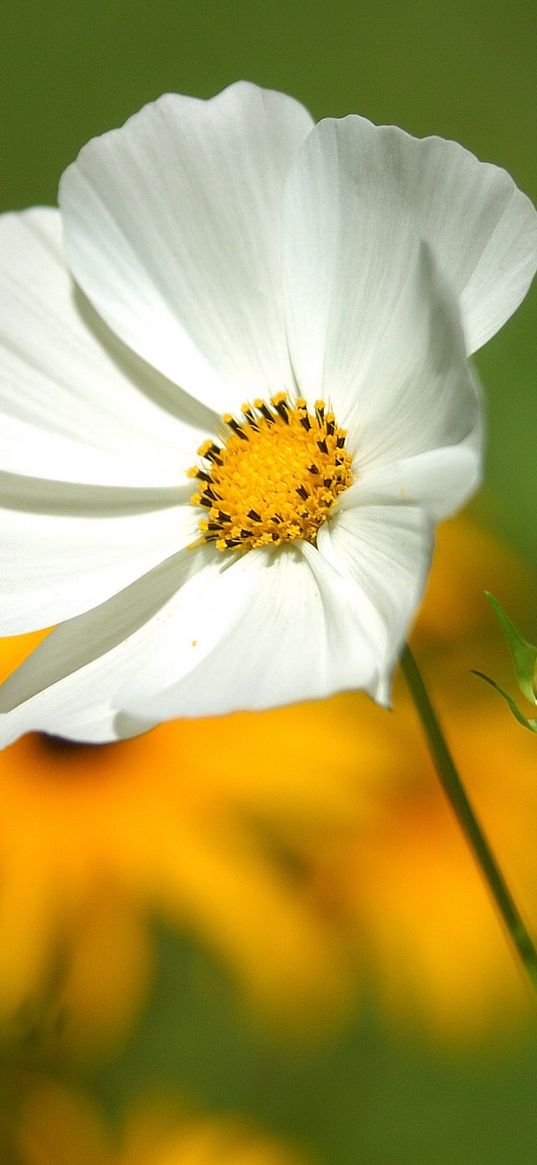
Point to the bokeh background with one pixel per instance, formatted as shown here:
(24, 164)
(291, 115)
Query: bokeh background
(261, 940)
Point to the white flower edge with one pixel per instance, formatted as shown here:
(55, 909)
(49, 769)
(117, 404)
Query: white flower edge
(173, 228)
(178, 271)
(356, 198)
(76, 404)
(92, 484)
(412, 473)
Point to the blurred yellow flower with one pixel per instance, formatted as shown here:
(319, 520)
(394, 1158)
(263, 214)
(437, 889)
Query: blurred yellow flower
(469, 559)
(301, 845)
(166, 821)
(53, 1126)
(409, 891)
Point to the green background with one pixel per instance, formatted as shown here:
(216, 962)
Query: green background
(461, 70)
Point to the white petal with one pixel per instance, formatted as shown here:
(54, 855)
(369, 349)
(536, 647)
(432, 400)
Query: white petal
(68, 548)
(201, 634)
(385, 549)
(406, 388)
(300, 631)
(173, 229)
(415, 391)
(67, 686)
(357, 200)
(441, 480)
(75, 403)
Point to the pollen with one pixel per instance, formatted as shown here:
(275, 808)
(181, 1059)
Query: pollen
(274, 476)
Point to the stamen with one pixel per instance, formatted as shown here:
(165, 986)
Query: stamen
(277, 474)
(248, 412)
(280, 404)
(229, 419)
(262, 407)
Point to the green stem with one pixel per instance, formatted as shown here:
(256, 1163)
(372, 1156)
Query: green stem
(456, 794)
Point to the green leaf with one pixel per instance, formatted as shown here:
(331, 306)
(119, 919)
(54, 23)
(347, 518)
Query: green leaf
(523, 654)
(531, 724)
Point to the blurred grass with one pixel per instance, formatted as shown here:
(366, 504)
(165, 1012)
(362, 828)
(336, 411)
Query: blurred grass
(463, 70)
(364, 1097)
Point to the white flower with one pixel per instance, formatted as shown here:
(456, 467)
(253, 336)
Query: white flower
(229, 252)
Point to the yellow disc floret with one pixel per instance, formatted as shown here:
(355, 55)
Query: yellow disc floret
(275, 478)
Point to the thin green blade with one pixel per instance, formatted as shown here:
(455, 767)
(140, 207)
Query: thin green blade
(523, 654)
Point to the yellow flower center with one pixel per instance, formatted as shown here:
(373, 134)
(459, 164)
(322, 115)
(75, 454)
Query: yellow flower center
(275, 478)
